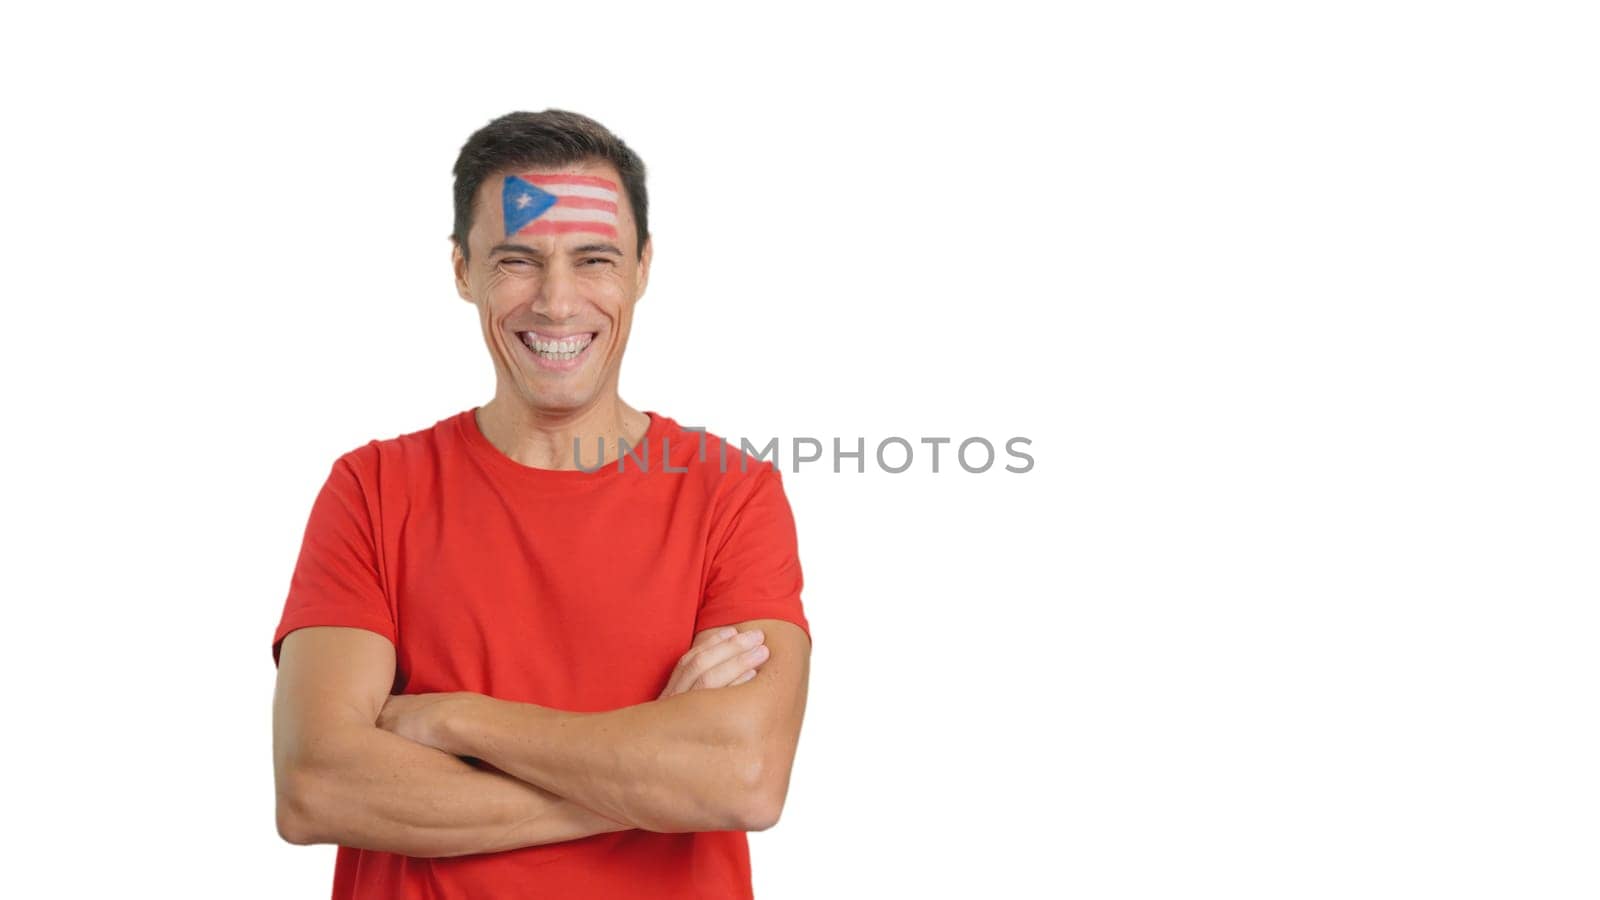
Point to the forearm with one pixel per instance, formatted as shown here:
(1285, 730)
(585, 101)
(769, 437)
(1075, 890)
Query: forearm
(365, 787)
(683, 763)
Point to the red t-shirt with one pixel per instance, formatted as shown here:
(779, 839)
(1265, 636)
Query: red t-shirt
(569, 589)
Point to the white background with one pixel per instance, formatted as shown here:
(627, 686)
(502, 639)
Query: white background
(1296, 303)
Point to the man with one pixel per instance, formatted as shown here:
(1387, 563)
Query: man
(598, 672)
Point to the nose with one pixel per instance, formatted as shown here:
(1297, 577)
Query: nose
(558, 296)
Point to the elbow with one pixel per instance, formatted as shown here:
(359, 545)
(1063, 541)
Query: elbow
(292, 825)
(293, 830)
(760, 814)
(296, 823)
(762, 786)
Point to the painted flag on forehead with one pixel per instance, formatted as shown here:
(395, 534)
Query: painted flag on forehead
(558, 204)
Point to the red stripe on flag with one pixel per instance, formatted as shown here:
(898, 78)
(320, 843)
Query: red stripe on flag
(586, 180)
(546, 226)
(572, 202)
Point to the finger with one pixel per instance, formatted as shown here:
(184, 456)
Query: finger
(696, 663)
(700, 659)
(676, 681)
(712, 635)
(690, 664)
(692, 667)
(713, 655)
(725, 673)
(749, 674)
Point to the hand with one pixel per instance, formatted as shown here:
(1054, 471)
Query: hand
(719, 657)
(422, 717)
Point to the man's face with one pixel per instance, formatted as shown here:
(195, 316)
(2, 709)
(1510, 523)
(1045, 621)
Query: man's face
(555, 275)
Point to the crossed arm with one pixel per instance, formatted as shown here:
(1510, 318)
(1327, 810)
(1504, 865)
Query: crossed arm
(360, 768)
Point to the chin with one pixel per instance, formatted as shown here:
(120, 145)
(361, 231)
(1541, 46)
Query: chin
(542, 397)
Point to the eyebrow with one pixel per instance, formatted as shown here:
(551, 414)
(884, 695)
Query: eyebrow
(534, 251)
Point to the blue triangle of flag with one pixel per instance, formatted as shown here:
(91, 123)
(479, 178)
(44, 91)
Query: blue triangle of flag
(523, 202)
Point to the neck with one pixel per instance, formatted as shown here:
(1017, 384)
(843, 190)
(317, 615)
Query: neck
(544, 438)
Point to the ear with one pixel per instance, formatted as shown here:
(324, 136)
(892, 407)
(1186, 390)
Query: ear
(644, 267)
(458, 263)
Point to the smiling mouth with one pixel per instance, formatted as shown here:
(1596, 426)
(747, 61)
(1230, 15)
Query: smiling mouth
(556, 349)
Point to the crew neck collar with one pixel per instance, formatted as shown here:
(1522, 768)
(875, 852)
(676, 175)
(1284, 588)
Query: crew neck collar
(480, 447)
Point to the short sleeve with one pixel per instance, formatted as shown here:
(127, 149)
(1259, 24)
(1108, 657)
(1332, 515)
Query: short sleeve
(337, 579)
(754, 571)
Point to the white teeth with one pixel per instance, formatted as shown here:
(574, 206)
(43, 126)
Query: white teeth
(564, 349)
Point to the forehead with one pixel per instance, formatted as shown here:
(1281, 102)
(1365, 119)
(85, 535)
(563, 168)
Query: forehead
(580, 199)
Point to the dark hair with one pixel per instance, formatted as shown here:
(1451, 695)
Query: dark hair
(554, 137)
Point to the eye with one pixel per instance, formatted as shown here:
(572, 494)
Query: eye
(598, 259)
(519, 264)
